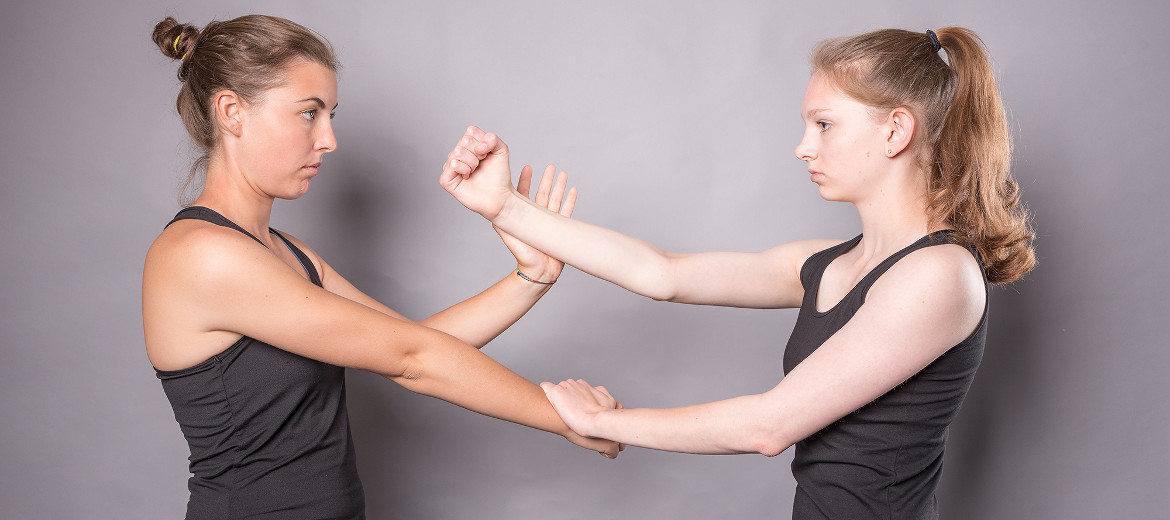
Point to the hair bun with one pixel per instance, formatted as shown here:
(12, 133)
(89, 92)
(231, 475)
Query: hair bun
(173, 38)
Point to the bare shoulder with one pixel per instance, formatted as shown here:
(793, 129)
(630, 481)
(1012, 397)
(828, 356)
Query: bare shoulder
(192, 250)
(190, 270)
(941, 284)
(802, 249)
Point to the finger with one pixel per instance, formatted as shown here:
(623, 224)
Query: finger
(455, 167)
(490, 144)
(474, 132)
(525, 182)
(601, 395)
(570, 203)
(604, 391)
(558, 192)
(546, 181)
(465, 156)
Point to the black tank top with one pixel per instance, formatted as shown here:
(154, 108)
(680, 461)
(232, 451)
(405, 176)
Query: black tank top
(883, 460)
(268, 429)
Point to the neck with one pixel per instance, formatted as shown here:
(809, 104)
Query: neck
(895, 216)
(228, 192)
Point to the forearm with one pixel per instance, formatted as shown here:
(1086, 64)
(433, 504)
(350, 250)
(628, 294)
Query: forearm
(737, 425)
(628, 262)
(479, 319)
(457, 373)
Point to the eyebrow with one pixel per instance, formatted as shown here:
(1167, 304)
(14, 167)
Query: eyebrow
(318, 101)
(815, 111)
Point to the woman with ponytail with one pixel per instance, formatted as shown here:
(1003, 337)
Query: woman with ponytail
(250, 330)
(909, 128)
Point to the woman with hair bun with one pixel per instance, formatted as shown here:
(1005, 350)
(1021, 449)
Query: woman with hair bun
(250, 330)
(892, 323)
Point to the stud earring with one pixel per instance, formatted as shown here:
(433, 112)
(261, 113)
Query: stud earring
(889, 151)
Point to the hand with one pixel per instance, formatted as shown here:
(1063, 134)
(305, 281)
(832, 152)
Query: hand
(607, 448)
(531, 261)
(579, 404)
(485, 155)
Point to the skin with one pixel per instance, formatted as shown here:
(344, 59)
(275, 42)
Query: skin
(926, 303)
(204, 286)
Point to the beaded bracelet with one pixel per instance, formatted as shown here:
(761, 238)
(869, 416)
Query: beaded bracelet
(524, 276)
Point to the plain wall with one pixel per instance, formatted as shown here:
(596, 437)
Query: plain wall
(677, 121)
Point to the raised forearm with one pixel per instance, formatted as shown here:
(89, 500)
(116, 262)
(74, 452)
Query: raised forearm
(479, 319)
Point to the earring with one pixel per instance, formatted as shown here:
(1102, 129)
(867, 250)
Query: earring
(889, 151)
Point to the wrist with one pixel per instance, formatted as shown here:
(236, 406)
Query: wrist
(505, 217)
(534, 276)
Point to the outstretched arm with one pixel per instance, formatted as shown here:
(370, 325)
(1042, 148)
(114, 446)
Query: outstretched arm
(477, 173)
(924, 305)
(206, 281)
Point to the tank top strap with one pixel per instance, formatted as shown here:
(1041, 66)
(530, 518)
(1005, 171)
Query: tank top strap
(210, 215)
(933, 239)
(302, 257)
(815, 265)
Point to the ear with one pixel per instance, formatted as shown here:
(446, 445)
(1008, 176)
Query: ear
(229, 112)
(899, 131)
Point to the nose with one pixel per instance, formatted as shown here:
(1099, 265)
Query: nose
(804, 150)
(327, 141)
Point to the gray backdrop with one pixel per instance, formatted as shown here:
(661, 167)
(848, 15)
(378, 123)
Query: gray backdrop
(677, 121)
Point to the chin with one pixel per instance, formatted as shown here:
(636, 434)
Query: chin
(834, 196)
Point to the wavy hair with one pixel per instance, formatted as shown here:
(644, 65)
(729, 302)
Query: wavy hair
(964, 143)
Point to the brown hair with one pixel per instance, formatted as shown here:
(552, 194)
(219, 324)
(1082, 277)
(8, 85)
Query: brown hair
(964, 143)
(247, 55)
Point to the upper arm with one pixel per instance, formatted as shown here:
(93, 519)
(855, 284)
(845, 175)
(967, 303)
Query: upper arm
(767, 279)
(925, 304)
(225, 284)
(333, 282)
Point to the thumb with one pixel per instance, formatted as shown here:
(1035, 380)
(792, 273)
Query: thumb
(491, 144)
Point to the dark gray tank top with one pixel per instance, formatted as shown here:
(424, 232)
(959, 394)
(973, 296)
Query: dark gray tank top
(883, 460)
(268, 429)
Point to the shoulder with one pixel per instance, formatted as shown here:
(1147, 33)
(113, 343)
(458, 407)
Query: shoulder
(200, 247)
(800, 250)
(940, 284)
(796, 253)
(193, 261)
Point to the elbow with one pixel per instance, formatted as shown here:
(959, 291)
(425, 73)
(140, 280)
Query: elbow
(661, 289)
(661, 294)
(770, 444)
(657, 280)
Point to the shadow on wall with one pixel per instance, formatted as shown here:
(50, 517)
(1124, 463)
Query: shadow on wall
(996, 399)
(358, 210)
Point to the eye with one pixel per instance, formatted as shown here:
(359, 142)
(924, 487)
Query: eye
(310, 114)
(824, 125)
(332, 115)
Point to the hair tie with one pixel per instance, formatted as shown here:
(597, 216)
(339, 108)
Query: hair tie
(934, 44)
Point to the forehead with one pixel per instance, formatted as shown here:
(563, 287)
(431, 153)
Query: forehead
(822, 95)
(306, 79)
